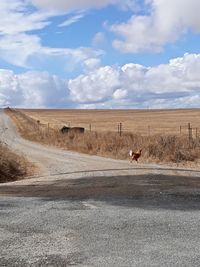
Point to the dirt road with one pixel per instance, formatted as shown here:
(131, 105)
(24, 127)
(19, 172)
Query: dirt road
(91, 211)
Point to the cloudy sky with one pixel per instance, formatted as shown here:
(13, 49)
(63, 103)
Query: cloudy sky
(100, 54)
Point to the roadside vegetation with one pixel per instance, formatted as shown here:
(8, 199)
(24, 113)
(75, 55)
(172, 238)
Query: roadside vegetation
(12, 166)
(156, 148)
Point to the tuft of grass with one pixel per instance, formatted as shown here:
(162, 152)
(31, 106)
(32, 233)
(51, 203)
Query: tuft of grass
(173, 149)
(156, 148)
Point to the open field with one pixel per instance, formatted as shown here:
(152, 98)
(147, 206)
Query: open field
(143, 122)
(178, 149)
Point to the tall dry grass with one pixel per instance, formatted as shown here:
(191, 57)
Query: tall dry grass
(156, 148)
(12, 167)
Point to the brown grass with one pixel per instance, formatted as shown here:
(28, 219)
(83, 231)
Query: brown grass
(140, 122)
(156, 148)
(12, 167)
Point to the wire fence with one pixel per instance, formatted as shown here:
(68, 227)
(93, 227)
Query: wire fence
(146, 130)
(191, 132)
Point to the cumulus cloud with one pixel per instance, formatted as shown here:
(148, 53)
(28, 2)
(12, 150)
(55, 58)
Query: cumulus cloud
(91, 64)
(165, 22)
(120, 94)
(172, 85)
(97, 86)
(176, 84)
(32, 89)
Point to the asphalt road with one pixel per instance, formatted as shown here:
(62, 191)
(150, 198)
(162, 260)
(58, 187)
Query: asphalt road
(90, 211)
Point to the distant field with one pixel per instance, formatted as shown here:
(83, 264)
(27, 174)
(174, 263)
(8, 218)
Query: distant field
(139, 121)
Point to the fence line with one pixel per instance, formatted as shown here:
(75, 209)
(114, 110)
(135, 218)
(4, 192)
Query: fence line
(182, 130)
(186, 130)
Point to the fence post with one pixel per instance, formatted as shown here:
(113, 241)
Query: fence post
(149, 130)
(189, 134)
(180, 129)
(48, 128)
(196, 133)
(120, 129)
(38, 124)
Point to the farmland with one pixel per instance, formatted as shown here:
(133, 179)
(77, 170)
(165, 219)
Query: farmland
(143, 122)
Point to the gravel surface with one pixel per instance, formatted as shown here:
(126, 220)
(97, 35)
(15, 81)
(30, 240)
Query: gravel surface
(85, 210)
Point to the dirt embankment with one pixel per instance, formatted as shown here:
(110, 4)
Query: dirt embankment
(12, 166)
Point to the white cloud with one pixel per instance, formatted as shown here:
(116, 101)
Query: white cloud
(120, 94)
(172, 85)
(32, 89)
(16, 49)
(176, 84)
(20, 47)
(97, 86)
(71, 20)
(99, 39)
(9, 88)
(167, 21)
(16, 19)
(91, 64)
(70, 5)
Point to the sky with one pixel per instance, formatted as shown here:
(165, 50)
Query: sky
(105, 54)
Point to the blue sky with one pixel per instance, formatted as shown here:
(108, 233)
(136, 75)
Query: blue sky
(100, 54)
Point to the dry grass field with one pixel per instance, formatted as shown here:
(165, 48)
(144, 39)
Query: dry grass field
(165, 147)
(143, 122)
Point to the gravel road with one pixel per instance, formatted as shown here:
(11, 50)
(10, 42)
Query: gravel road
(85, 210)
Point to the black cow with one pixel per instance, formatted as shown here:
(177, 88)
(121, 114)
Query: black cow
(66, 129)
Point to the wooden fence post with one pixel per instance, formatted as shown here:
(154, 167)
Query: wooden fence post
(180, 129)
(149, 130)
(38, 125)
(120, 129)
(189, 134)
(48, 127)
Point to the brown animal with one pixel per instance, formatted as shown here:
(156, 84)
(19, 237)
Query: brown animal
(135, 155)
(66, 129)
(77, 129)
